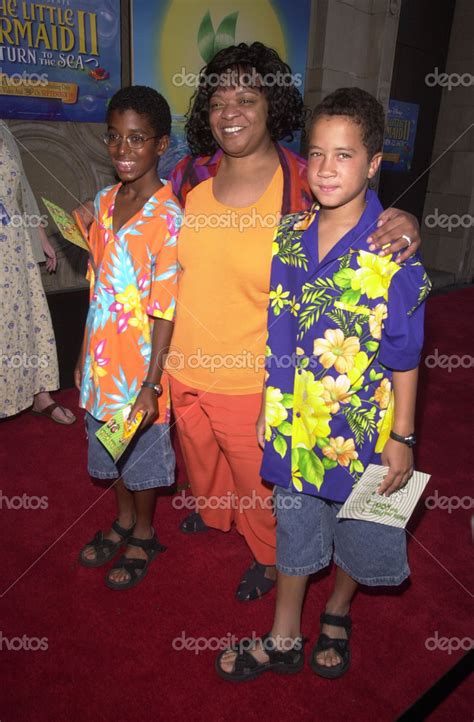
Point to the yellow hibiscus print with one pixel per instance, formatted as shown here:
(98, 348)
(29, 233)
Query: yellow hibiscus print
(355, 375)
(337, 351)
(278, 299)
(382, 393)
(376, 320)
(131, 302)
(374, 274)
(275, 412)
(340, 450)
(384, 425)
(310, 413)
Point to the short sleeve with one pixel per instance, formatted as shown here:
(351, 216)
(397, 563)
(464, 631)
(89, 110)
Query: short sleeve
(402, 333)
(164, 275)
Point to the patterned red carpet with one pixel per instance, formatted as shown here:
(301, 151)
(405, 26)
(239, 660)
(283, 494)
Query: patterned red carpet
(74, 651)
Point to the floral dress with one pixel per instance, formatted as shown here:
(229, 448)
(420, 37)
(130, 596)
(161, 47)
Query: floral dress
(28, 359)
(337, 330)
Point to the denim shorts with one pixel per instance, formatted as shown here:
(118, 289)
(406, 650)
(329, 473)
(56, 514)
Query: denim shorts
(309, 536)
(147, 463)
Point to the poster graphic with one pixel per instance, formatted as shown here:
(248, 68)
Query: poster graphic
(400, 134)
(173, 39)
(59, 60)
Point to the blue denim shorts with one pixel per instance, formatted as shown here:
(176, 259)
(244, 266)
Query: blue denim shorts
(309, 536)
(147, 463)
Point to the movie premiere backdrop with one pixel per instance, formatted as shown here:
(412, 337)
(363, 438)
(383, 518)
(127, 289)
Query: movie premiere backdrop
(173, 39)
(59, 59)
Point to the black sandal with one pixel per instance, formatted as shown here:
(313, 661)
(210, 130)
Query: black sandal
(135, 568)
(254, 583)
(104, 549)
(341, 646)
(193, 524)
(246, 667)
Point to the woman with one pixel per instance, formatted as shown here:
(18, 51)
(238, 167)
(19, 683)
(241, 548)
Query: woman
(29, 364)
(234, 185)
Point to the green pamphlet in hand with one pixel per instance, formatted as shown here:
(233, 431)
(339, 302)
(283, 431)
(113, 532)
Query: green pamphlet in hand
(366, 504)
(117, 433)
(66, 224)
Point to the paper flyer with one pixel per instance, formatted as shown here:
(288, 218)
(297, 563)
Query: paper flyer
(366, 504)
(117, 433)
(66, 224)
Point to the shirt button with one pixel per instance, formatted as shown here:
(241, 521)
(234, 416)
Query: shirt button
(297, 414)
(300, 371)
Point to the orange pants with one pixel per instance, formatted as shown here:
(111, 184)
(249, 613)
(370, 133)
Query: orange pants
(219, 445)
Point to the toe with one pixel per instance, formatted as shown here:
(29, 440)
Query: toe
(227, 661)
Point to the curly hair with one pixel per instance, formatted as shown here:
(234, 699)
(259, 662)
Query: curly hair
(262, 68)
(362, 108)
(144, 101)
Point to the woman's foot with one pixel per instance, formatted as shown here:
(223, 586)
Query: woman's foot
(259, 579)
(44, 405)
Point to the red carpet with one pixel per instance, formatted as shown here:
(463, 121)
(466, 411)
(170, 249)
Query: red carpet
(109, 656)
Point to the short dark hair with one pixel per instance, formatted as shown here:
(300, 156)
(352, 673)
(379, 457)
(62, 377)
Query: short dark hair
(144, 101)
(286, 110)
(363, 108)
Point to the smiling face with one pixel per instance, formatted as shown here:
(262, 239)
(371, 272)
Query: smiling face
(238, 119)
(135, 164)
(338, 164)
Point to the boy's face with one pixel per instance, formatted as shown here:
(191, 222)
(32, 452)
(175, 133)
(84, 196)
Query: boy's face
(132, 164)
(338, 163)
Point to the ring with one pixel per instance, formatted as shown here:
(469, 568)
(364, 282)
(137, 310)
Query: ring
(407, 239)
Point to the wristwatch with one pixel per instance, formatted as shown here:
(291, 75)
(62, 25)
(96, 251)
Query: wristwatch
(157, 388)
(408, 440)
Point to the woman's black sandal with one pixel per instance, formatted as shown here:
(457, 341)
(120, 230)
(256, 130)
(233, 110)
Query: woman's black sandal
(104, 549)
(193, 524)
(246, 667)
(136, 568)
(340, 646)
(254, 583)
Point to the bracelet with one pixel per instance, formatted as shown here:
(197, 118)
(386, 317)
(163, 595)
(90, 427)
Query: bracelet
(408, 440)
(157, 388)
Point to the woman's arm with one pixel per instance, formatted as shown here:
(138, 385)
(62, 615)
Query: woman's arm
(397, 455)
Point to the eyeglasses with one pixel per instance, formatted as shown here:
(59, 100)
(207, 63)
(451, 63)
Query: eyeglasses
(134, 141)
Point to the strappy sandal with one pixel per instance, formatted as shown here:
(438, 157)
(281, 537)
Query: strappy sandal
(246, 667)
(254, 583)
(193, 524)
(136, 568)
(340, 646)
(104, 549)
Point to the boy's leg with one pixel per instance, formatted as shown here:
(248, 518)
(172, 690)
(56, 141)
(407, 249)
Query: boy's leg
(338, 604)
(287, 622)
(144, 510)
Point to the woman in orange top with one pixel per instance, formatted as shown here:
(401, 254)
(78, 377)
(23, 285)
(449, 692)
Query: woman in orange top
(244, 105)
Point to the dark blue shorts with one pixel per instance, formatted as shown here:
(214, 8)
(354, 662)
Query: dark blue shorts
(147, 463)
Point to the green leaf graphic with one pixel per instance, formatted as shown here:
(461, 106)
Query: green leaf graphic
(311, 467)
(225, 34)
(206, 38)
(280, 445)
(285, 428)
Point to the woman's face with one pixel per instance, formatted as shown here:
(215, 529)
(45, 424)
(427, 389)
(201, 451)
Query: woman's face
(238, 119)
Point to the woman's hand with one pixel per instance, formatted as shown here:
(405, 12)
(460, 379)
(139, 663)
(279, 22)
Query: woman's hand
(261, 428)
(48, 250)
(391, 226)
(399, 458)
(147, 403)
